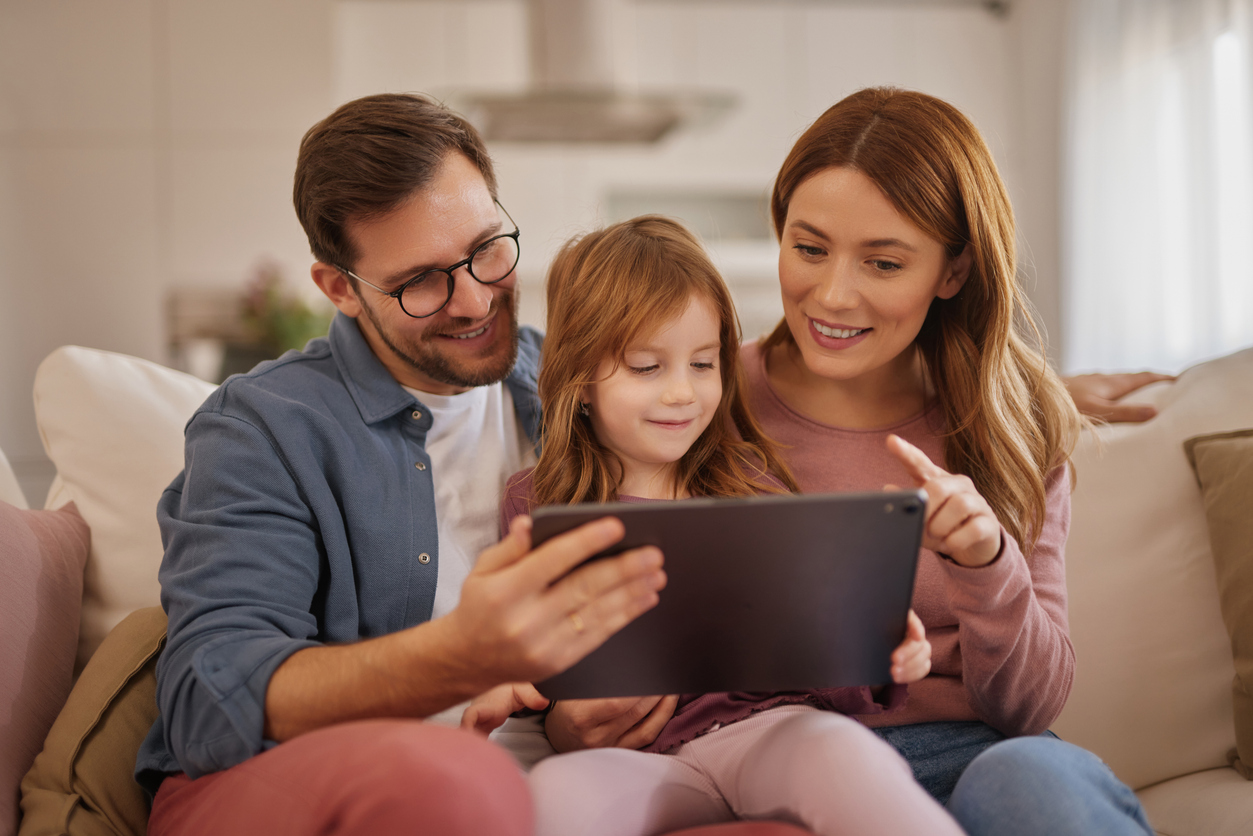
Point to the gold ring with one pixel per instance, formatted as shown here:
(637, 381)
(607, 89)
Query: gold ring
(577, 622)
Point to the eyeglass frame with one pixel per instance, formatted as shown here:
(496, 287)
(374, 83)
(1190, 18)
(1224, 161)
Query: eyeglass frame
(450, 270)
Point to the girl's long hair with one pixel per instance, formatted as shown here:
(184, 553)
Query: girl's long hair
(605, 290)
(1009, 419)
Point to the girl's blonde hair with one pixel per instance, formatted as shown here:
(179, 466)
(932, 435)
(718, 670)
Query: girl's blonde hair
(605, 290)
(1009, 418)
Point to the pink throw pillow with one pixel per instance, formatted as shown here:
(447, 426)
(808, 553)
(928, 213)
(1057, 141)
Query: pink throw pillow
(42, 554)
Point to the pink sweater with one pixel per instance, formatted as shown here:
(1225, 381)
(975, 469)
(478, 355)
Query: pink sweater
(1000, 646)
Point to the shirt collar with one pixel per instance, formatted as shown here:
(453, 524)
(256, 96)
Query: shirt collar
(377, 394)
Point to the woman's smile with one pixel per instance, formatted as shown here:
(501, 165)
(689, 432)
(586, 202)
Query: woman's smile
(837, 336)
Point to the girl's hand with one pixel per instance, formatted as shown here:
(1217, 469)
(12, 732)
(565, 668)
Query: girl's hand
(960, 523)
(488, 711)
(912, 660)
(625, 722)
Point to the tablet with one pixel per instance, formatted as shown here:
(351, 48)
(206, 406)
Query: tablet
(771, 593)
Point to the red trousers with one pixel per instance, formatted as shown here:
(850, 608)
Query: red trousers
(374, 778)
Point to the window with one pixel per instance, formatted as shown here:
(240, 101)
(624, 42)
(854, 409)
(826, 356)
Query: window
(1159, 183)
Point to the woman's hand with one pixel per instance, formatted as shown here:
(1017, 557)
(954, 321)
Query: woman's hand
(912, 660)
(491, 709)
(626, 722)
(960, 523)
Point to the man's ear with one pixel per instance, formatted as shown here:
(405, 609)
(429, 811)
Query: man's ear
(337, 288)
(956, 273)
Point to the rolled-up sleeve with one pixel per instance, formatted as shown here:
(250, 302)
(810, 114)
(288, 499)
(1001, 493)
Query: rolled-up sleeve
(238, 582)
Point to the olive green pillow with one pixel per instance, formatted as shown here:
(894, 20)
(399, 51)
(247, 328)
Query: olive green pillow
(1224, 466)
(82, 783)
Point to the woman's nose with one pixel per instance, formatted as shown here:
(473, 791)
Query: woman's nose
(838, 288)
(470, 299)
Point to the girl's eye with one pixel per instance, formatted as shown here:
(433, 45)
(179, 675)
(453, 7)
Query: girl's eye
(808, 251)
(642, 369)
(703, 366)
(885, 266)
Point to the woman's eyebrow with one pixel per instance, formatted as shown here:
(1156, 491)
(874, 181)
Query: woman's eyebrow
(877, 242)
(890, 242)
(811, 229)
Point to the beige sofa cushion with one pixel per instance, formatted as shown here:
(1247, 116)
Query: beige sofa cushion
(1224, 467)
(81, 783)
(113, 426)
(42, 554)
(1216, 802)
(1152, 692)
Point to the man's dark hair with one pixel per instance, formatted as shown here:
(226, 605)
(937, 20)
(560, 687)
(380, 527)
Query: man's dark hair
(370, 156)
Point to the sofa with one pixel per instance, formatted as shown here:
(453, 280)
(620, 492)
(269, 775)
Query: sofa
(1158, 568)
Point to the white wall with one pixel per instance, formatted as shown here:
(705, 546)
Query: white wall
(144, 144)
(149, 144)
(1038, 38)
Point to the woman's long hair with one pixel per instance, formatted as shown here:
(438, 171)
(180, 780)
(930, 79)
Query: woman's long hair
(605, 290)
(1009, 419)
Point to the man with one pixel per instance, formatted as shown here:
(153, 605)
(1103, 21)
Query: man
(331, 571)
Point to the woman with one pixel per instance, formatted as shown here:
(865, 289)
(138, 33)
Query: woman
(902, 324)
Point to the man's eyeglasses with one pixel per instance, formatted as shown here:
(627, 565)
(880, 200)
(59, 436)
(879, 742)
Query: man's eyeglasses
(427, 293)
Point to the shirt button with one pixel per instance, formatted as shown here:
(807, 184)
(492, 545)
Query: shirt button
(420, 465)
(416, 415)
(424, 558)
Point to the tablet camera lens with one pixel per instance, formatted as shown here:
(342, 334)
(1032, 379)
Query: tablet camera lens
(911, 508)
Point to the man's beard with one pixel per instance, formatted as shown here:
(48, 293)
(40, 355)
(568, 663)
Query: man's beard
(424, 356)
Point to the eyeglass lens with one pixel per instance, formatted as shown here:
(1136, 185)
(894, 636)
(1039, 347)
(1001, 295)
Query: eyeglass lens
(490, 263)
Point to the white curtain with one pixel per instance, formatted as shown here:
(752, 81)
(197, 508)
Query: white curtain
(1158, 201)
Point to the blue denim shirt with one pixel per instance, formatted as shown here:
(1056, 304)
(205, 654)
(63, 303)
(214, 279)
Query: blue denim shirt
(305, 502)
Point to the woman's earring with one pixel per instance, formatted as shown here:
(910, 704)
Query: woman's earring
(585, 408)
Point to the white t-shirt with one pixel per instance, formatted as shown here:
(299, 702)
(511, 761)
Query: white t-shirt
(475, 444)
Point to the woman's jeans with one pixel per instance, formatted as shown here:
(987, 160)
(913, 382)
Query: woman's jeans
(1023, 785)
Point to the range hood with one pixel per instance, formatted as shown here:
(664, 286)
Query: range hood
(573, 97)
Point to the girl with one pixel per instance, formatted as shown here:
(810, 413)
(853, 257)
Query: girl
(901, 359)
(643, 400)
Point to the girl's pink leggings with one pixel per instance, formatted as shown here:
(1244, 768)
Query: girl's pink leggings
(821, 771)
